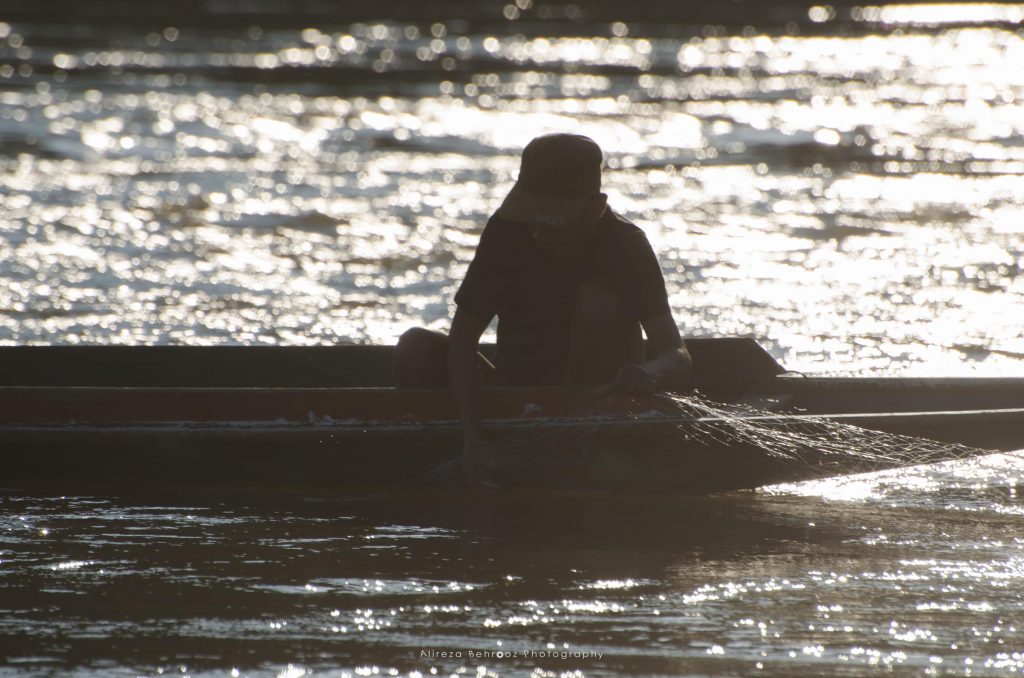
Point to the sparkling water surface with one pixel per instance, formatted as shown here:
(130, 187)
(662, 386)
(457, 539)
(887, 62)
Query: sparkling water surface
(841, 182)
(846, 188)
(916, 572)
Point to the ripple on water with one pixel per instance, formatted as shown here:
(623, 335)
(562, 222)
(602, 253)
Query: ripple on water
(771, 171)
(989, 483)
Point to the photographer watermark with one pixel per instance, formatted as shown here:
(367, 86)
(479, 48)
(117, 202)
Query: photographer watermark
(509, 654)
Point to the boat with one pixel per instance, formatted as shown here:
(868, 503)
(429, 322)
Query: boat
(133, 418)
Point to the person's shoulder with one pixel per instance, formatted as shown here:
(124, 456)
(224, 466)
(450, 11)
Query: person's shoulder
(627, 243)
(501, 227)
(502, 235)
(620, 231)
(616, 224)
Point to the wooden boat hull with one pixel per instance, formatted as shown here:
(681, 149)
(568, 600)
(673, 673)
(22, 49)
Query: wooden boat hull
(316, 448)
(156, 433)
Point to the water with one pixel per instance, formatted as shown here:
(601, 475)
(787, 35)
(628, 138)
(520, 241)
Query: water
(916, 573)
(842, 182)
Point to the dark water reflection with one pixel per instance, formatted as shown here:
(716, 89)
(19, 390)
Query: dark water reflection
(774, 582)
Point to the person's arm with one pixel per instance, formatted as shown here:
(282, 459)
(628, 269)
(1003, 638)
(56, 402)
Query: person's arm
(464, 374)
(670, 365)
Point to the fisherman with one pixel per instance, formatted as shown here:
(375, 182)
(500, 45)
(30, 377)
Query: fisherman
(571, 282)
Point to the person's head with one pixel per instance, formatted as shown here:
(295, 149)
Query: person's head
(558, 193)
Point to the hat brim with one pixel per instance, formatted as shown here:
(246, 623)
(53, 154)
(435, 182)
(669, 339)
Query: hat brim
(525, 207)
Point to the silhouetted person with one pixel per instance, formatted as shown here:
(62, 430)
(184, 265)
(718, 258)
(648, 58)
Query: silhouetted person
(571, 283)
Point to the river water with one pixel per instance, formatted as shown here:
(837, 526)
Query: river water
(842, 182)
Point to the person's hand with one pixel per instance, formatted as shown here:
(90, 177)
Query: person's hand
(633, 378)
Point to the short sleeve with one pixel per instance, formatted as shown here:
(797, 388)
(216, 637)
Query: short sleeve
(478, 293)
(644, 283)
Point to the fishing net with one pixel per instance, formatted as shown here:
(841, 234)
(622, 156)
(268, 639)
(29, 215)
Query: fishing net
(683, 444)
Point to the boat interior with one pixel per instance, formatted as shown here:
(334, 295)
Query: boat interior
(726, 369)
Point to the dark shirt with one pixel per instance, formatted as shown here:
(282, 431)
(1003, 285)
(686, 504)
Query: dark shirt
(534, 295)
